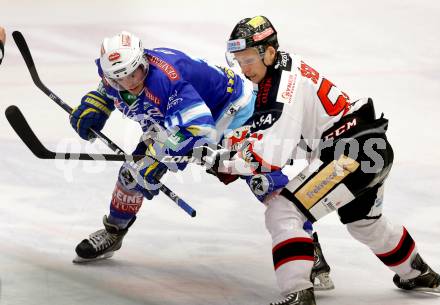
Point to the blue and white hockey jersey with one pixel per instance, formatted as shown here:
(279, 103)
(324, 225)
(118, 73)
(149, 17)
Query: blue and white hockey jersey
(189, 97)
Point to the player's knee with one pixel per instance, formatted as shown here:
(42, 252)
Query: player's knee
(281, 215)
(368, 231)
(125, 178)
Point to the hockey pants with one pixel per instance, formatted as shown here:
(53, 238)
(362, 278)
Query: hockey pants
(293, 247)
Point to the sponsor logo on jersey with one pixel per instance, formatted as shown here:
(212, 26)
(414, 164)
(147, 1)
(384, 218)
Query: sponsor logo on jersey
(152, 97)
(264, 120)
(126, 201)
(231, 78)
(168, 69)
(263, 92)
(114, 56)
(286, 88)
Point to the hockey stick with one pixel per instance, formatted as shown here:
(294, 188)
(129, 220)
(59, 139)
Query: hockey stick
(24, 131)
(27, 56)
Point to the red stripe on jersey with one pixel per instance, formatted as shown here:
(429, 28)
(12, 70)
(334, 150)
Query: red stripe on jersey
(400, 253)
(294, 258)
(413, 245)
(293, 240)
(293, 249)
(397, 248)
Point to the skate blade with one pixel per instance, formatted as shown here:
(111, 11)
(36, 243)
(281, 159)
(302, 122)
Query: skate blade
(323, 282)
(431, 290)
(80, 260)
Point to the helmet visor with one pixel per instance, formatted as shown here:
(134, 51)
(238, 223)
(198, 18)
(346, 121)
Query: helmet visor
(244, 58)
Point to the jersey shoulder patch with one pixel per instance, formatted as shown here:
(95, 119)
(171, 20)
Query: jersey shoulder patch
(284, 61)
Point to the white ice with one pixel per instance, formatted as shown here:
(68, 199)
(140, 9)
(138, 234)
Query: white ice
(389, 50)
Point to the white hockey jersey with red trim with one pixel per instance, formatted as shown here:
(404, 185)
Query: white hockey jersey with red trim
(294, 103)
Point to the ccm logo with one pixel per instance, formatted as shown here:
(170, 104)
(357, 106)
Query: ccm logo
(178, 159)
(340, 130)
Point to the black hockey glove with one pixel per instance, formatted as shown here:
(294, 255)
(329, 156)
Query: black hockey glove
(212, 157)
(223, 177)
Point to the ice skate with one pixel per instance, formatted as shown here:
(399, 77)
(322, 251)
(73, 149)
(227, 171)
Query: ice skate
(303, 297)
(101, 244)
(428, 280)
(320, 276)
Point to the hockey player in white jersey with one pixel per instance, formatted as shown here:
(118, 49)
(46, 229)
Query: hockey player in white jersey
(350, 158)
(268, 108)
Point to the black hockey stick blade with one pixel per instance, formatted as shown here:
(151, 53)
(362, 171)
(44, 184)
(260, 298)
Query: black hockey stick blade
(20, 125)
(23, 130)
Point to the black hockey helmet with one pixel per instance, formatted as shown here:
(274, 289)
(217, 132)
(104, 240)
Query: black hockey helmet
(252, 32)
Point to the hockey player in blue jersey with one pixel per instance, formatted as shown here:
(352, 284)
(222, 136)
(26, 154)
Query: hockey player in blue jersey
(178, 101)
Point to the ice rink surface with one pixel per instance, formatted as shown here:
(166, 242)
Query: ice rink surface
(388, 49)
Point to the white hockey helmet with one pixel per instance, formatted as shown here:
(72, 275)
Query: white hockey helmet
(121, 55)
